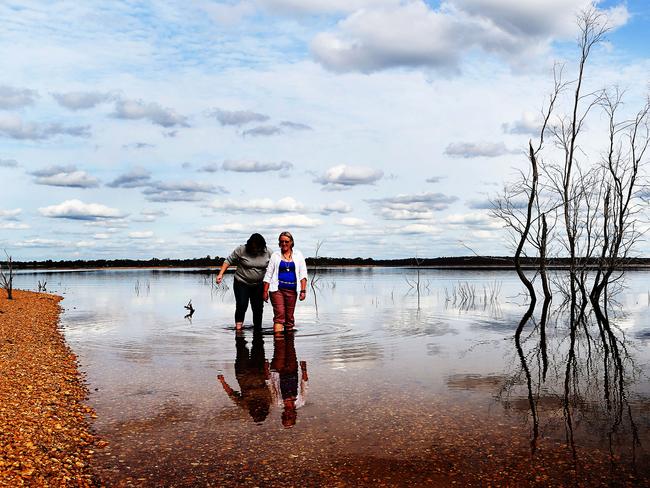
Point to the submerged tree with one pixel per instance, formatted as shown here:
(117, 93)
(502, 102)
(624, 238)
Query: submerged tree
(596, 200)
(575, 203)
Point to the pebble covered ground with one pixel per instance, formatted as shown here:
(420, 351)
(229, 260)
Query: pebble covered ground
(45, 435)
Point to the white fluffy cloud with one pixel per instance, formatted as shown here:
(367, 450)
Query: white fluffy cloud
(421, 206)
(261, 205)
(250, 166)
(335, 207)
(12, 97)
(78, 210)
(13, 226)
(343, 176)
(141, 234)
(81, 100)
(155, 113)
(65, 176)
(10, 214)
(289, 221)
(352, 222)
(14, 127)
(412, 33)
(478, 149)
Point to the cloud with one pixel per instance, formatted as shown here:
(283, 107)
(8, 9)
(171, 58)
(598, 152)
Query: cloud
(141, 234)
(138, 145)
(529, 124)
(352, 222)
(414, 34)
(208, 168)
(78, 210)
(81, 100)
(183, 191)
(228, 14)
(478, 149)
(8, 163)
(378, 38)
(420, 206)
(474, 219)
(417, 229)
(343, 177)
(335, 207)
(65, 176)
(149, 215)
(287, 221)
(263, 130)
(38, 242)
(302, 7)
(435, 179)
(287, 124)
(11, 97)
(133, 179)
(238, 117)
(272, 130)
(250, 166)
(10, 214)
(226, 228)
(156, 114)
(13, 226)
(13, 127)
(262, 205)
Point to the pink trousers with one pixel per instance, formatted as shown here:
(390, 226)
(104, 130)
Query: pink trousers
(284, 303)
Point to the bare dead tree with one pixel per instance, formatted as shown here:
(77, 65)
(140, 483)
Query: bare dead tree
(7, 278)
(628, 144)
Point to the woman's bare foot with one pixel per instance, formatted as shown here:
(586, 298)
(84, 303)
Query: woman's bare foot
(239, 325)
(278, 327)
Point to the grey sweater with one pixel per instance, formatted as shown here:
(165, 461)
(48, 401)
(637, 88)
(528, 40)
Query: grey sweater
(250, 269)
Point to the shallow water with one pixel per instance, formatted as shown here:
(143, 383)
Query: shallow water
(399, 387)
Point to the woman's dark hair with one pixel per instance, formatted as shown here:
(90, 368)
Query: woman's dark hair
(256, 244)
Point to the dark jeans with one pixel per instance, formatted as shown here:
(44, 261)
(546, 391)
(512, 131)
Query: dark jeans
(249, 293)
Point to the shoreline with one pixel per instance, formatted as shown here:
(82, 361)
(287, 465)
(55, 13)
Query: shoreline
(46, 438)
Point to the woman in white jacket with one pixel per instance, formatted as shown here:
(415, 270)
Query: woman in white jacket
(285, 281)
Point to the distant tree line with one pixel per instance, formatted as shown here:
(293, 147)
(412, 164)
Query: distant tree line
(492, 262)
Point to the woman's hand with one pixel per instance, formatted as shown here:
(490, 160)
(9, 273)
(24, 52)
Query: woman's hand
(219, 279)
(302, 295)
(265, 295)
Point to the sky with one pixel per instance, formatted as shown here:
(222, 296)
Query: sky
(377, 128)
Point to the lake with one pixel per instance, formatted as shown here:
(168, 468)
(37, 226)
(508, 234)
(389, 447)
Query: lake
(393, 387)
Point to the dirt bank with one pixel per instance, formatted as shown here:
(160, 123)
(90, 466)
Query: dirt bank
(45, 436)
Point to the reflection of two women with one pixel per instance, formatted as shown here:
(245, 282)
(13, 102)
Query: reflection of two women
(261, 385)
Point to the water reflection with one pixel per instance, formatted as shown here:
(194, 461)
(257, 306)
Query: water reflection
(588, 378)
(288, 390)
(252, 373)
(281, 383)
(463, 387)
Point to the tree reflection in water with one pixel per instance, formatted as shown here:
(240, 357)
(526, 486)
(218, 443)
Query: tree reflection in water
(590, 372)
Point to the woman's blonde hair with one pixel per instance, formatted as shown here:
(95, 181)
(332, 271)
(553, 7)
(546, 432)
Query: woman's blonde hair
(287, 234)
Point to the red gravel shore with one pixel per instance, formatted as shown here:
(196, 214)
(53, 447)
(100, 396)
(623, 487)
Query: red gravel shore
(45, 433)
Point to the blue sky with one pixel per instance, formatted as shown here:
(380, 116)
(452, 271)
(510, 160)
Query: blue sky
(381, 127)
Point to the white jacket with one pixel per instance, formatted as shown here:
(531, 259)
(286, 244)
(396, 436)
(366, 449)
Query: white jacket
(271, 276)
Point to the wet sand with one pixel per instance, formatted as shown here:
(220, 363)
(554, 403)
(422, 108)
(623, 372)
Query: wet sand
(45, 435)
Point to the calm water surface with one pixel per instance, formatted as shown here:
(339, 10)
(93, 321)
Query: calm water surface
(393, 387)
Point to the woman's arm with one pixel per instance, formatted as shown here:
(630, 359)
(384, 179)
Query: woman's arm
(303, 289)
(223, 269)
(265, 293)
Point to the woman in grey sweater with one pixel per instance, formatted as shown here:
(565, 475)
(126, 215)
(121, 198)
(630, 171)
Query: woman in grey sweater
(251, 260)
